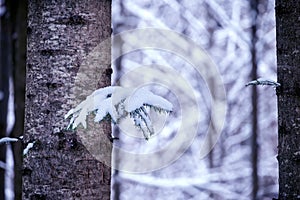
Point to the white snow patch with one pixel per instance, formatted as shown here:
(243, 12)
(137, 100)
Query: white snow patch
(28, 147)
(142, 97)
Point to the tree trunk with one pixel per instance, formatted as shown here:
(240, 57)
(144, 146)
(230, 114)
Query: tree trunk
(19, 15)
(255, 100)
(5, 73)
(288, 69)
(61, 37)
(13, 49)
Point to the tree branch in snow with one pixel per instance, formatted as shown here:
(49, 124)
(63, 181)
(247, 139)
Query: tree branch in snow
(116, 103)
(262, 81)
(6, 140)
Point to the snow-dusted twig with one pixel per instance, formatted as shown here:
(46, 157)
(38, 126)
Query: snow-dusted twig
(117, 103)
(28, 147)
(6, 140)
(262, 81)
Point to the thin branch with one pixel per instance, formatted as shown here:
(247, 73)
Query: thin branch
(261, 81)
(6, 140)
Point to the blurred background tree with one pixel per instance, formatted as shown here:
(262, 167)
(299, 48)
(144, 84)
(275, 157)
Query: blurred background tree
(240, 38)
(12, 91)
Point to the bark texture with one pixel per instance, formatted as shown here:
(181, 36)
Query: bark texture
(288, 61)
(61, 36)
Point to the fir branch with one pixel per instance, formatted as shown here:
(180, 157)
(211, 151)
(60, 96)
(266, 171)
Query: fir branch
(115, 103)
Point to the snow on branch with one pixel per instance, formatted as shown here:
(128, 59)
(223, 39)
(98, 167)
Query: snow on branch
(262, 81)
(115, 103)
(7, 140)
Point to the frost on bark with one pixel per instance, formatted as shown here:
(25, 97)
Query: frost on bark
(61, 35)
(288, 61)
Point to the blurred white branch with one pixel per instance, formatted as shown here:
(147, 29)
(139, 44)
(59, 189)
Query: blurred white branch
(6, 140)
(201, 183)
(227, 23)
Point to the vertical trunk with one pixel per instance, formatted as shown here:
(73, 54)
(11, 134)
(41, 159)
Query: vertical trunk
(117, 48)
(5, 73)
(19, 15)
(254, 146)
(116, 185)
(61, 35)
(288, 72)
(13, 48)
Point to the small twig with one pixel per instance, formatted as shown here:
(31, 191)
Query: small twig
(112, 138)
(7, 140)
(262, 81)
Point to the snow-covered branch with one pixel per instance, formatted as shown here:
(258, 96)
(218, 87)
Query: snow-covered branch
(6, 140)
(115, 103)
(262, 81)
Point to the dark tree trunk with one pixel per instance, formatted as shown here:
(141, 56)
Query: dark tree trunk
(288, 69)
(5, 74)
(6, 67)
(61, 37)
(13, 49)
(19, 20)
(254, 145)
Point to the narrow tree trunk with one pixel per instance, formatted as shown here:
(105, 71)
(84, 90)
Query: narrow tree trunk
(19, 15)
(288, 71)
(61, 35)
(254, 145)
(5, 74)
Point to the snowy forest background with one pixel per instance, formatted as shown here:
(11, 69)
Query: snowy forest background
(224, 30)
